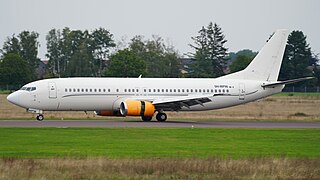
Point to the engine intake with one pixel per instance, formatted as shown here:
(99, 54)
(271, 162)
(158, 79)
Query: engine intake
(137, 108)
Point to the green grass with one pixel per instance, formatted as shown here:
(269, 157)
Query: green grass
(5, 91)
(158, 143)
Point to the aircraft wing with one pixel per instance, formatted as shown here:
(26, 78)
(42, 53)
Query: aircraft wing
(176, 103)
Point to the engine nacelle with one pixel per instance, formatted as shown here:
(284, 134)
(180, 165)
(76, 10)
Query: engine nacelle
(137, 108)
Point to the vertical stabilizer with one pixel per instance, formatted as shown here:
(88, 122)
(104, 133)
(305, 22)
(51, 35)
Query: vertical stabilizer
(266, 65)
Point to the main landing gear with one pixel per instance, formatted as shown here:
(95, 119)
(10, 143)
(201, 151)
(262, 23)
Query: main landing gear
(40, 117)
(161, 117)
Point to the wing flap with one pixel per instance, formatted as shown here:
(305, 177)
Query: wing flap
(177, 103)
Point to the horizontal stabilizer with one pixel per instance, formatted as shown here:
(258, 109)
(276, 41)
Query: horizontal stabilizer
(286, 82)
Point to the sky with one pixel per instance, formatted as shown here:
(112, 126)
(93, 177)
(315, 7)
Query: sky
(246, 24)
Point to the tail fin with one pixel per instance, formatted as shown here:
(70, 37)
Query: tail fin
(266, 65)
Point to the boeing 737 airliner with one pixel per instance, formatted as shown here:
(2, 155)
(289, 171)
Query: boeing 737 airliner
(147, 96)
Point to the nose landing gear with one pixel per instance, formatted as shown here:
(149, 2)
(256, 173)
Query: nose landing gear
(40, 117)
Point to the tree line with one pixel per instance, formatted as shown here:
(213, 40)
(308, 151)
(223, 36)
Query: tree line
(95, 53)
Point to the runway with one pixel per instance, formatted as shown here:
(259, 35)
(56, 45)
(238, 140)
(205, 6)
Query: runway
(154, 124)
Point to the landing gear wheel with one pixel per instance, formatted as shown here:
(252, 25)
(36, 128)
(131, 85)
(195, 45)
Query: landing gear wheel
(161, 117)
(146, 118)
(40, 117)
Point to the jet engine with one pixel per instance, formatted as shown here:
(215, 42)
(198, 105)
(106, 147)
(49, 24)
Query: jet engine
(137, 108)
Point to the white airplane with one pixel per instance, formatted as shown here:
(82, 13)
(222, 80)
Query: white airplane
(146, 96)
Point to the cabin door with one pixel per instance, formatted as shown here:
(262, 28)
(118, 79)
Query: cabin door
(52, 90)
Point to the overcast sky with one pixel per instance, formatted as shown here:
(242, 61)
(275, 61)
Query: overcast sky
(246, 24)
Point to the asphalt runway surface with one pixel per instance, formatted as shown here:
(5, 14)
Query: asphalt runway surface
(155, 124)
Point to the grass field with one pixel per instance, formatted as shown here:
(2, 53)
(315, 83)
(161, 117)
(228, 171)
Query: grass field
(158, 143)
(152, 153)
(212, 168)
(274, 108)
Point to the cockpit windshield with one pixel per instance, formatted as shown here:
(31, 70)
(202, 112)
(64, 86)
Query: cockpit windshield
(28, 88)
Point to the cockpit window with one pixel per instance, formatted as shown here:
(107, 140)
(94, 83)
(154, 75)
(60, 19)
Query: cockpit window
(28, 88)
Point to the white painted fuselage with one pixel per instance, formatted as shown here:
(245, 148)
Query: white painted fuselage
(106, 94)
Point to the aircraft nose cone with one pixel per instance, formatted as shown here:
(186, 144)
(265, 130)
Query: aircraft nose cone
(13, 98)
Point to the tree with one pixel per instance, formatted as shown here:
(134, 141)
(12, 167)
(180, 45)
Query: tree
(80, 64)
(101, 43)
(54, 43)
(240, 60)
(316, 70)
(240, 63)
(65, 46)
(210, 53)
(297, 57)
(26, 46)
(29, 48)
(14, 70)
(161, 60)
(126, 63)
(11, 45)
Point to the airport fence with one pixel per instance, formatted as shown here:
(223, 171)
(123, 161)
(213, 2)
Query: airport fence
(302, 89)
